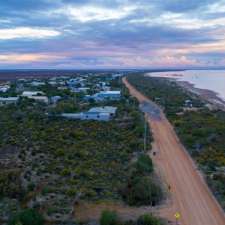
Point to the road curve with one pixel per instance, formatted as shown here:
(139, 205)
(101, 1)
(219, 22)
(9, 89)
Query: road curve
(190, 195)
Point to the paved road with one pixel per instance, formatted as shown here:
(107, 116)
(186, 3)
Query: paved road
(190, 196)
(151, 110)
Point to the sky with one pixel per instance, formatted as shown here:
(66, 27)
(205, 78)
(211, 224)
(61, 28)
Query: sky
(84, 34)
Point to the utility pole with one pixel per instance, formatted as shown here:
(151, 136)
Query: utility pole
(145, 135)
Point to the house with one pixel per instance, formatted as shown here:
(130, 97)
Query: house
(188, 103)
(106, 95)
(39, 98)
(116, 75)
(55, 99)
(31, 93)
(9, 100)
(53, 83)
(36, 95)
(62, 88)
(104, 109)
(103, 86)
(79, 90)
(106, 88)
(76, 82)
(37, 83)
(4, 88)
(95, 116)
(97, 113)
(72, 82)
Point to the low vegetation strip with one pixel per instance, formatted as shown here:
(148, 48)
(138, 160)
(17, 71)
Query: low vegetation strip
(201, 130)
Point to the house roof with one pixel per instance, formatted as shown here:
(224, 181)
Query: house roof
(32, 93)
(105, 109)
(9, 99)
(110, 92)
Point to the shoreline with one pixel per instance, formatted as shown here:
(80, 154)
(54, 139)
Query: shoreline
(209, 96)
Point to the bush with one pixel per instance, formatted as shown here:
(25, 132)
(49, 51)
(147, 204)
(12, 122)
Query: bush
(10, 184)
(108, 218)
(27, 217)
(147, 219)
(142, 191)
(144, 164)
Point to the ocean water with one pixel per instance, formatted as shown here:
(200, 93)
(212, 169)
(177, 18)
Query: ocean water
(213, 80)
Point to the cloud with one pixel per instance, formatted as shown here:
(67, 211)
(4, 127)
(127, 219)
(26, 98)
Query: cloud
(24, 58)
(90, 13)
(217, 7)
(179, 20)
(27, 32)
(111, 33)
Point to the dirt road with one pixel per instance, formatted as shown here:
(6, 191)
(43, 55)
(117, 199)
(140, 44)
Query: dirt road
(190, 196)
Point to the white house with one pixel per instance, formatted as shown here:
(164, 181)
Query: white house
(37, 83)
(4, 88)
(105, 109)
(97, 113)
(116, 75)
(35, 95)
(9, 100)
(32, 93)
(40, 98)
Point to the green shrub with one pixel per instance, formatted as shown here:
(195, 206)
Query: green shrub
(147, 219)
(10, 184)
(144, 164)
(71, 192)
(142, 191)
(108, 218)
(27, 217)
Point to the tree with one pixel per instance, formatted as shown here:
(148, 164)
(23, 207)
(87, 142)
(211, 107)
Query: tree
(27, 217)
(147, 219)
(144, 164)
(142, 191)
(108, 218)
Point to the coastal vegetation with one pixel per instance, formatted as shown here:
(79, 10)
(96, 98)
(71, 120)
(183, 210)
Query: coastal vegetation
(50, 164)
(201, 129)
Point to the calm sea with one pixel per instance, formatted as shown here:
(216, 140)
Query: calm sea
(213, 80)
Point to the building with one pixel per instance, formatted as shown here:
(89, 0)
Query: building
(188, 103)
(53, 83)
(97, 113)
(55, 99)
(4, 88)
(95, 116)
(106, 95)
(37, 83)
(39, 98)
(79, 90)
(105, 109)
(32, 93)
(76, 82)
(36, 95)
(116, 75)
(9, 100)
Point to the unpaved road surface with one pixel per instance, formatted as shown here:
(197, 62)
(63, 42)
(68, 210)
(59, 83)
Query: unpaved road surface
(189, 194)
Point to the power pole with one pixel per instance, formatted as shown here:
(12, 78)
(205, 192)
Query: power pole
(145, 135)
